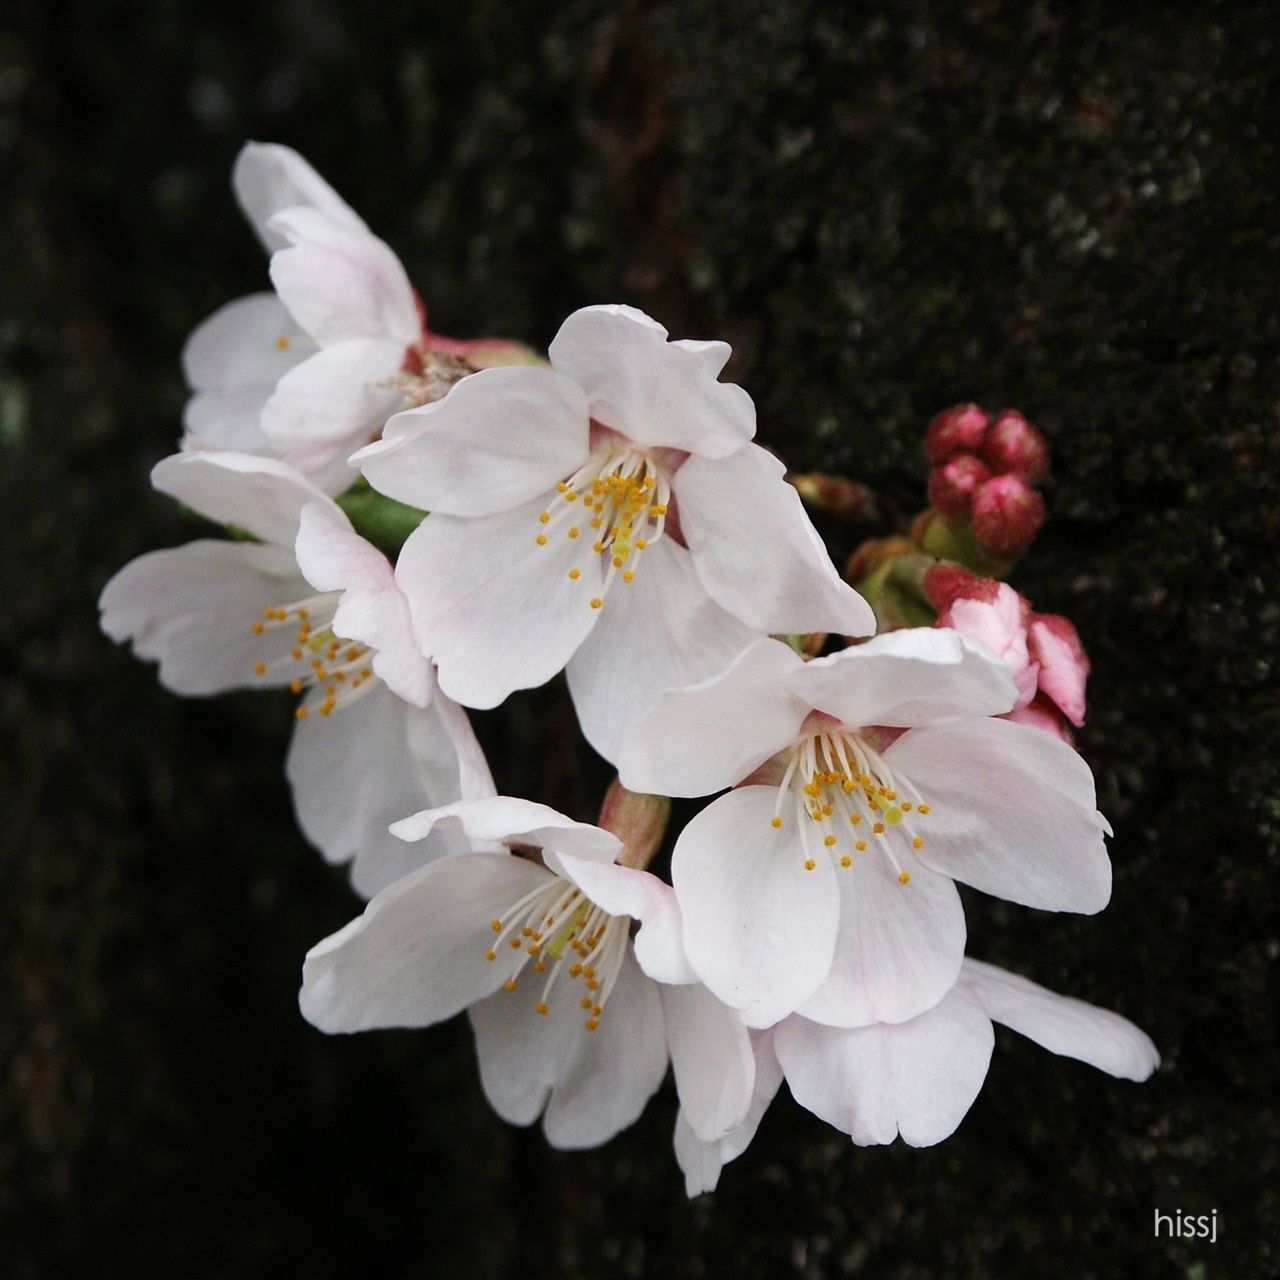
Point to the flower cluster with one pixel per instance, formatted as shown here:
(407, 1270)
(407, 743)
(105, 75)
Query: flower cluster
(606, 512)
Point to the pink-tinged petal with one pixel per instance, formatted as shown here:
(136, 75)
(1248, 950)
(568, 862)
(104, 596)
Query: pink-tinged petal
(1012, 813)
(192, 609)
(1042, 715)
(711, 1058)
(654, 392)
(624, 891)
(701, 1162)
(262, 496)
(357, 771)
(616, 1070)
(251, 342)
(916, 1078)
(911, 677)
(334, 401)
(701, 739)
(373, 610)
(1064, 667)
(495, 610)
(756, 551)
(417, 954)
(661, 631)
(506, 819)
(498, 439)
(899, 948)
(1001, 625)
(340, 286)
(1061, 1024)
(759, 929)
(226, 421)
(269, 178)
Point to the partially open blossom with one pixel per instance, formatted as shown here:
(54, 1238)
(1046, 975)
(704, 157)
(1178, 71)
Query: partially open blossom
(1043, 650)
(1007, 513)
(917, 1079)
(959, 429)
(567, 1025)
(609, 513)
(310, 372)
(865, 784)
(314, 607)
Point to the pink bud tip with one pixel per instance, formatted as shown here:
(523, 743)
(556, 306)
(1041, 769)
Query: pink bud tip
(953, 484)
(1007, 514)
(944, 583)
(1012, 446)
(959, 428)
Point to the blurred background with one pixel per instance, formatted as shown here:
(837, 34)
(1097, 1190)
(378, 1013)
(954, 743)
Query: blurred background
(887, 208)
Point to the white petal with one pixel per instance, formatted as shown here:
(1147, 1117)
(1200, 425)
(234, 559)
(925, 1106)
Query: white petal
(1012, 813)
(417, 954)
(917, 1078)
(226, 421)
(909, 677)
(262, 496)
(704, 738)
(334, 401)
(251, 342)
(357, 771)
(499, 438)
(711, 1057)
(373, 610)
(504, 818)
(653, 391)
(1061, 1024)
(701, 1162)
(340, 286)
(624, 891)
(495, 610)
(899, 948)
(756, 551)
(617, 1069)
(660, 632)
(192, 608)
(758, 928)
(269, 178)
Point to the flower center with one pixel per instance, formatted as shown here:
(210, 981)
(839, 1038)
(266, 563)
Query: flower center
(317, 657)
(618, 500)
(846, 798)
(554, 923)
(426, 375)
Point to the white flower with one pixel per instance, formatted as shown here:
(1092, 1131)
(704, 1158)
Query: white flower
(566, 1023)
(610, 514)
(919, 1078)
(824, 884)
(315, 607)
(312, 371)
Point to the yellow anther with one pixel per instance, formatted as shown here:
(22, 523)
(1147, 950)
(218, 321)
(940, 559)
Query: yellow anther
(827, 811)
(575, 971)
(259, 628)
(296, 654)
(586, 1002)
(282, 342)
(777, 820)
(491, 954)
(300, 713)
(526, 932)
(596, 603)
(510, 984)
(562, 487)
(809, 864)
(628, 576)
(617, 562)
(571, 496)
(905, 806)
(591, 1024)
(545, 518)
(575, 574)
(539, 966)
(878, 828)
(904, 877)
(846, 861)
(855, 818)
(541, 539)
(918, 842)
(296, 686)
(514, 944)
(540, 1008)
(924, 808)
(574, 531)
(860, 845)
(260, 668)
(829, 841)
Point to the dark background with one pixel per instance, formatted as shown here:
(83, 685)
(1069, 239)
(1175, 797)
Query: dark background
(887, 208)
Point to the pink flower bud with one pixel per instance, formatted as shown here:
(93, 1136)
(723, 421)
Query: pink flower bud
(944, 582)
(1007, 513)
(952, 485)
(1041, 714)
(994, 613)
(959, 428)
(1012, 446)
(1064, 665)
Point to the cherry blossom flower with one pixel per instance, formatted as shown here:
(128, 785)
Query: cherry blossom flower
(566, 1023)
(919, 1078)
(865, 784)
(608, 513)
(310, 372)
(314, 607)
